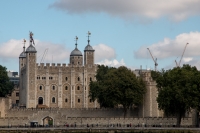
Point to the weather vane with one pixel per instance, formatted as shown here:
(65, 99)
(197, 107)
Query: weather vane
(24, 44)
(88, 37)
(31, 38)
(76, 41)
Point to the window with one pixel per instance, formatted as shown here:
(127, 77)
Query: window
(78, 88)
(53, 87)
(66, 87)
(78, 79)
(90, 100)
(53, 100)
(17, 94)
(66, 100)
(17, 101)
(66, 78)
(90, 79)
(78, 100)
(40, 87)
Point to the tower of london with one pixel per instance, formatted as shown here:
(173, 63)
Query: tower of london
(56, 85)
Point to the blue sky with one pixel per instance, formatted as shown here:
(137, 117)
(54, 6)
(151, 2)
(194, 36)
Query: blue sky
(121, 31)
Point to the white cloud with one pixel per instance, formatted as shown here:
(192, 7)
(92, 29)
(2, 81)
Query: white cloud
(173, 47)
(13, 48)
(112, 63)
(176, 10)
(103, 51)
(187, 59)
(106, 55)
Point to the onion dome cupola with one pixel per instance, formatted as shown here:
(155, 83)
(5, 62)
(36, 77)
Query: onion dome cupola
(31, 48)
(89, 53)
(76, 57)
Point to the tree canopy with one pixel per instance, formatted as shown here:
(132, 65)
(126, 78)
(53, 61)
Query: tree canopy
(5, 85)
(117, 86)
(179, 90)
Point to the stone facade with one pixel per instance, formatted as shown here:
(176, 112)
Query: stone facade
(61, 85)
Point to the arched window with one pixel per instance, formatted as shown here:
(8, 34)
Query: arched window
(66, 78)
(78, 88)
(53, 87)
(78, 100)
(40, 100)
(66, 100)
(66, 87)
(40, 87)
(90, 78)
(90, 100)
(53, 100)
(78, 79)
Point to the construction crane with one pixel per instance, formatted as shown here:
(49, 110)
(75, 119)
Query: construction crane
(155, 60)
(178, 64)
(44, 55)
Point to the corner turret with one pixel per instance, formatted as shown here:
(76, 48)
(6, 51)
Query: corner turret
(76, 57)
(89, 53)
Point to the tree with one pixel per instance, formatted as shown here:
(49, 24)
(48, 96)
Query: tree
(98, 89)
(5, 85)
(117, 87)
(179, 90)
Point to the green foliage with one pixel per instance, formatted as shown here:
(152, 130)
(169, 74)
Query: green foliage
(179, 90)
(117, 86)
(5, 85)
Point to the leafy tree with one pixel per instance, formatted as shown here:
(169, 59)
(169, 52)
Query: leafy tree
(179, 90)
(98, 89)
(5, 85)
(117, 87)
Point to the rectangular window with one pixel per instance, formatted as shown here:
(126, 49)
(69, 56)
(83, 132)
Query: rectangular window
(17, 94)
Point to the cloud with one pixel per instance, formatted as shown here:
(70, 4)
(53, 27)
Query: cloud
(173, 47)
(192, 62)
(12, 49)
(112, 63)
(176, 10)
(56, 53)
(103, 51)
(106, 55)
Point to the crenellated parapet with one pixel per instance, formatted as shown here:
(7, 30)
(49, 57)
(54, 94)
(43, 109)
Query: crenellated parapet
(51, 65)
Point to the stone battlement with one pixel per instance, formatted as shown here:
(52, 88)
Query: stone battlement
(47, 65)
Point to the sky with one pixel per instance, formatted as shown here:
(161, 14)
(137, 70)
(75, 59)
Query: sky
(121, 31)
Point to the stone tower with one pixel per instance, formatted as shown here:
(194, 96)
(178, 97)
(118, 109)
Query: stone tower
(150, 105)
(31, 74)
(22, 59)
(88, 54)
(76, 57)
(22, 63)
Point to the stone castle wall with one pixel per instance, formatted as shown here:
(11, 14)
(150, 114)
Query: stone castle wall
(5, 104)
(82, 117)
